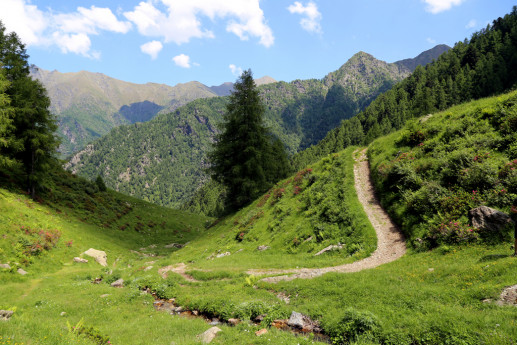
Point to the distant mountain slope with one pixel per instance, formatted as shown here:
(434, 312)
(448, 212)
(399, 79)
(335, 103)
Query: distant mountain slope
(423, 58)
(89, 105)
(162, 160)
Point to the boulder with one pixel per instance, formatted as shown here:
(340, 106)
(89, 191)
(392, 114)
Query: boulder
(508, 296)
(329, 248)
(6, 266)
(6, 314)
(489, 219)
(21, 271)
(118, 283)
(80, 260)
(99, 256)
(209, 335)
(234, 322)
(303, 322)
(261, 332)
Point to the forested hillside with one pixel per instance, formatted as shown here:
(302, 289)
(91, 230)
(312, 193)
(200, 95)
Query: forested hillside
(88, 105)
(163, 161)
(482, 66)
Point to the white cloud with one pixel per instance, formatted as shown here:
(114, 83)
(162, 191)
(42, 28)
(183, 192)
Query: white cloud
(180, 21)
(236, 71)
(437, 6)
(312, 17)
(431, 40)
(182, 60)
(152, 48)
(472, 24)
(88, 21)
(69, 31)
(25, 19)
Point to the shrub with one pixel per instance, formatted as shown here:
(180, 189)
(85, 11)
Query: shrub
(453, 232)
(352, 325)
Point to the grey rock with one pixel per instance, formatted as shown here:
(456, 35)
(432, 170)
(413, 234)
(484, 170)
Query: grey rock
(508, 296)
(21, 271)
(63, 313)
(489, 219)
(6, 266)
(174, 245)
(329, 248)
(118, 283)
(296, 320)
(234, 322)
(99, 256)
(223, 254)
(148, 268)
(80, 260)
(6, 314)
(209, 335)
(105, 295)
(262, 248)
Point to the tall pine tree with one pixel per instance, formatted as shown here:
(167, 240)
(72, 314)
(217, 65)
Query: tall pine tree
(245, 159)
(32, 126)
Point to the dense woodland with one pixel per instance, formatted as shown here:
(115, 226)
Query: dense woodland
(482, 66)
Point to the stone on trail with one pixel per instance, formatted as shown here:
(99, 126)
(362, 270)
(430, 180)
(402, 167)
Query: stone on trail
(80, 260)
(6, 314)
(209, 335)
(99, 256)
(118, 283)
(486, 218)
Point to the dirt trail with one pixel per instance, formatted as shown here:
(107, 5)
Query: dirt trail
(390, 242)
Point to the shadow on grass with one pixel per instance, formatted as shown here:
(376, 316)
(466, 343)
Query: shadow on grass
(493, 257)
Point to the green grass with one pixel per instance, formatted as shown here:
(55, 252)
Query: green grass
(433, 171)
(298, 217)
(432, 298)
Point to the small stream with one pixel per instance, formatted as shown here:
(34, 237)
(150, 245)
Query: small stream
(169, 306)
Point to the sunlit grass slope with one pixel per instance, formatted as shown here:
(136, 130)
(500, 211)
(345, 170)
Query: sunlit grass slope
(297, 218)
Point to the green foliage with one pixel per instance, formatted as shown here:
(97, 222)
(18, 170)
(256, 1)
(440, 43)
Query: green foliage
(100, 183)
(164, 160)
(352, 325)
(462, 158)
(243, 159)
(30, 136)
(482, 66)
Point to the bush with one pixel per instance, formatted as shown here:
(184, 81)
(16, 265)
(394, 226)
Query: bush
(353, 325)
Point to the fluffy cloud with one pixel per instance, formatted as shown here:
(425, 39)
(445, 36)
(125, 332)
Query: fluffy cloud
(152, 48)
(236, 71)
(180, 21)
(431, 40)
(437, 6)
(312, 17)
(182, 60)
(25, 19)
(69, 31)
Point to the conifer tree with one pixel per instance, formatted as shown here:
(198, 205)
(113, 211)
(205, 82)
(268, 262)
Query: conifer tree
(244, 159)
(33, 126)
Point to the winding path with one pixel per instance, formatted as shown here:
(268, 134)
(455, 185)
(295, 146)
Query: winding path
(390, 242)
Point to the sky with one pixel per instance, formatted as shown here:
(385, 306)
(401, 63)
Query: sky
(212, 41)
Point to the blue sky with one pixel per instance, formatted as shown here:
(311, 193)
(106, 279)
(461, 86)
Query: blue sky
(211, 41)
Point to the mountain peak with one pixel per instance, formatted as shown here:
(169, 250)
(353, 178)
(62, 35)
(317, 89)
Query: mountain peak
(423, 58)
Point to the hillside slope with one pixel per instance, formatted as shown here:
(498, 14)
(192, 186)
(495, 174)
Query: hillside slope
(437, 168)
(168, 169)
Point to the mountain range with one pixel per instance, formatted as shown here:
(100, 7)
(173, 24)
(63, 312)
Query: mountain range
(163, 160)
(88, 105)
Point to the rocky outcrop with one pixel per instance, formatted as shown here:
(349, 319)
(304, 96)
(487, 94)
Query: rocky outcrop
(489, 219)
(99, 256)
(329, 248)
